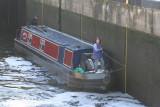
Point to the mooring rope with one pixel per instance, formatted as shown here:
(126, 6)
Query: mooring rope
(114, 60)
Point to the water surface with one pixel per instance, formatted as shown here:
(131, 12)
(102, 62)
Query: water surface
(25, 84)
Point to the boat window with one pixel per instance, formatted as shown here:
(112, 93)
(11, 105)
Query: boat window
(42, 44)
(29, 40)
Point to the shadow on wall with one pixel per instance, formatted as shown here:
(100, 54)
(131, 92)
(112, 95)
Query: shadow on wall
(10, 12)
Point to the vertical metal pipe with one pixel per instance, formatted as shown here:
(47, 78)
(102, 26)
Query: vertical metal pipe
(8, 18)
(126, 55)
(42, 10)
(81, 22)
(60, 10)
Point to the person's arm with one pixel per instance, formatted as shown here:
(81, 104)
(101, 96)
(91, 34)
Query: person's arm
(96, 49)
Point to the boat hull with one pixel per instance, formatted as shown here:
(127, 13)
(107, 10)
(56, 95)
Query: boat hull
(87, 84)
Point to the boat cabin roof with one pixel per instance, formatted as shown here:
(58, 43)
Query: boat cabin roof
(60, 38)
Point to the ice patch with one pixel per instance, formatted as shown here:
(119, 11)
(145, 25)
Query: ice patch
(80, 99)
(18, 63)
(83, 99)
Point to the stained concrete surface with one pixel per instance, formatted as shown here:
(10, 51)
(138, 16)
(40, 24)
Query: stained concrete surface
(143, 37)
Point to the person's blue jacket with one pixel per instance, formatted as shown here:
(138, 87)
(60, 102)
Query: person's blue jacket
(97, 51)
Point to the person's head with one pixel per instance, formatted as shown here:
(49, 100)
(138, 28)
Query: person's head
(98, 40)
(36, 17)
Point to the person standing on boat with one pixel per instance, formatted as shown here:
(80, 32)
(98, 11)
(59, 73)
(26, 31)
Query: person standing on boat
(34, 21)
(97, 55)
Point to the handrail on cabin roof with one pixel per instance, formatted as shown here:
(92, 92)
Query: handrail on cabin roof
(39, 29)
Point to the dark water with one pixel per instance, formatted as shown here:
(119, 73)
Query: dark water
(24, 84)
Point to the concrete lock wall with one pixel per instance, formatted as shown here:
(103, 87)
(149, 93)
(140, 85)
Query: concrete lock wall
(113, 22)
(12, 16)
(7, 17)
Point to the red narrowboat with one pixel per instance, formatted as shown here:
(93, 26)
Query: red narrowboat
(61, 53)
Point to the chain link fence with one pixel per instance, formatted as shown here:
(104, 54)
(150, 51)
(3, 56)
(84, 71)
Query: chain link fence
(143, 3)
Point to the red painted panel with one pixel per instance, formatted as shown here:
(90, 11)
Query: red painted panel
(24, 36)
(68, 57)
(51, 49)
(35, 41)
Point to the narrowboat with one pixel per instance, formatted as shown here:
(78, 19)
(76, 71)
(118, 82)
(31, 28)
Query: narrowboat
(61, 53)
